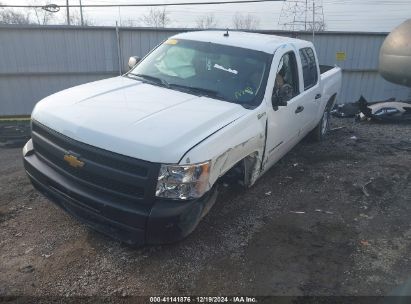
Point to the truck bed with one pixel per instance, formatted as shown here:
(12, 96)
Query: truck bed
(331, 77)
(325, 68)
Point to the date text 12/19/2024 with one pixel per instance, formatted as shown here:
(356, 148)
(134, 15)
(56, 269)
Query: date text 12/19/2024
(203, 299)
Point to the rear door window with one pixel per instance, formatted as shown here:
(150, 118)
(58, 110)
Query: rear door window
(309, 64)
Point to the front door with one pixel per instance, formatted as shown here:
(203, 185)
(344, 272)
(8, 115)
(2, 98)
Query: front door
(284, 122)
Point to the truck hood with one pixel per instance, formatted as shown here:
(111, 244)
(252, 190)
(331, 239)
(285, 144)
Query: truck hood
(136, 119)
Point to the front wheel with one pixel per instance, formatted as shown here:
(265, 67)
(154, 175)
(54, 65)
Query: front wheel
(320, 131)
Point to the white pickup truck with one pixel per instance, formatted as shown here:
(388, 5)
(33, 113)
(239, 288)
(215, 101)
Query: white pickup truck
(139, 156)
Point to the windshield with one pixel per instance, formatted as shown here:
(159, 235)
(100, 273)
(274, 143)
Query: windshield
(224, 72)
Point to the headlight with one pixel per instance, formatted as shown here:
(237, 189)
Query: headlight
(183, 182)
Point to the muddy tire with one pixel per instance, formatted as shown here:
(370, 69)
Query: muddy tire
(320, 131)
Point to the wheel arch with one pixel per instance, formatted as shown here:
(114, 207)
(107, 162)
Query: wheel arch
(245, 172)
(331, 101)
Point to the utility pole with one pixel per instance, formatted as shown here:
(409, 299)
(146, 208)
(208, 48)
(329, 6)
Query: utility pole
(305, 20)
(68, 12)
(81, 14)
(313, 20)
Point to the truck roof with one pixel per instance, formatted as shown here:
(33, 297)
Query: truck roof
(260, 42)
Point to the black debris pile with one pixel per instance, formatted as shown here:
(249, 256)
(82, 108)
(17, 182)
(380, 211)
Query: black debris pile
(14, 133)
(346, 110)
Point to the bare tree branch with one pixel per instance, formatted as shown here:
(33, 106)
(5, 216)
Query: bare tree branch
(206, 22)
(75, 19)
(156, 18)
(9, 16)
(245, 22)
(43, 17)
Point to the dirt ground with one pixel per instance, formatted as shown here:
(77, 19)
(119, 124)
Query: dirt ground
(328, 219)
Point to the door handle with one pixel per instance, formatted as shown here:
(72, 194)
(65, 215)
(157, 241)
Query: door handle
(318, 96)
(299, 109)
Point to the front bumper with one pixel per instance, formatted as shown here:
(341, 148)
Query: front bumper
(164, 221)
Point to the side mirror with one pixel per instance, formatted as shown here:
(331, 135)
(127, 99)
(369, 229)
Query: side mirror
(281, 97)
(133, 60)
(278, 101)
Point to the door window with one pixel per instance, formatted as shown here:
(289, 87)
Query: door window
(310, 73)
(286, 80)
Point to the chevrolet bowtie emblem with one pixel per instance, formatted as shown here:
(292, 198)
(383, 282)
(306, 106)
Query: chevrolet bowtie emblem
(73, 161)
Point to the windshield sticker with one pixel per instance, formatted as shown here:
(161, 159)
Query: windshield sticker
(217, 66)
(171, 41)
(247, 90)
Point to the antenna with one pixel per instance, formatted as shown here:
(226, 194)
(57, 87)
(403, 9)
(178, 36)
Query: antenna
(296, 15)
(226, 33)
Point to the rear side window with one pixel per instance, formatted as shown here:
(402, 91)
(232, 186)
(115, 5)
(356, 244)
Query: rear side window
(310, 73)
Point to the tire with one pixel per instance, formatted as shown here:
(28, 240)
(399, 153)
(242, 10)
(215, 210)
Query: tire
(319, 133)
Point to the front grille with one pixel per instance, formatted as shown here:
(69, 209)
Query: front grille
(122, 178)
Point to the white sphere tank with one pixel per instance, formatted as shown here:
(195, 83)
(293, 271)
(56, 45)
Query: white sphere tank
(395, 55)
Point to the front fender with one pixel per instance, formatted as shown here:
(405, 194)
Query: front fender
(245, 137)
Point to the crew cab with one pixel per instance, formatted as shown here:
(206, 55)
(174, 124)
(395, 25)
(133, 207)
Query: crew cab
(139, 157)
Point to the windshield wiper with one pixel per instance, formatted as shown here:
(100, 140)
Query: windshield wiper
(152, 79)
(198, 90)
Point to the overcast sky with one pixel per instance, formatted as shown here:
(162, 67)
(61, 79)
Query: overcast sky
(339, 15)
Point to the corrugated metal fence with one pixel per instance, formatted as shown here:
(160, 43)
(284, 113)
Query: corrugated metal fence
(38, 61)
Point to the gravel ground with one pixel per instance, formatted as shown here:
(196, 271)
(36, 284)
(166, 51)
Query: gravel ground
(328, 219)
